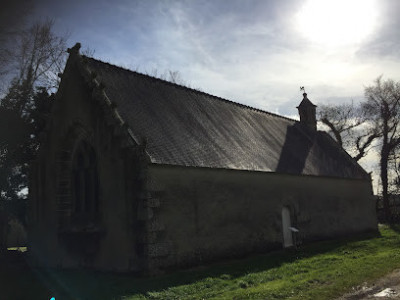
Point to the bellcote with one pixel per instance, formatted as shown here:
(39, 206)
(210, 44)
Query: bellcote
(307, 112)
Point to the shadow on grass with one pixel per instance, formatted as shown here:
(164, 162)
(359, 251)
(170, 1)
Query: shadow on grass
(86, 284)
(395, 227)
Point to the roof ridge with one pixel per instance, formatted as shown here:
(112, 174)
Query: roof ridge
(190, 89)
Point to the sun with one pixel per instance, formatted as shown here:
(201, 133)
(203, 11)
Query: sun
(337, 22)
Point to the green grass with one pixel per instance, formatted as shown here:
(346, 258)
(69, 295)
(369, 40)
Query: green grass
(322, 270)
(20, 249)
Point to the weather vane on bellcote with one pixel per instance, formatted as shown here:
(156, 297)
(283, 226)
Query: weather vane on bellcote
(303, 89)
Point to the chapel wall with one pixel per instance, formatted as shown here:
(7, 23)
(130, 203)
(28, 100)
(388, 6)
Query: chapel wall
(213, 214)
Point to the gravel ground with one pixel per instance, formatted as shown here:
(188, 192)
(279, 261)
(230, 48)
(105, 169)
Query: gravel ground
(387, 287)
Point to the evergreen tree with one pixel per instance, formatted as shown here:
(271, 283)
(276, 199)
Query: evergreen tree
(38, 57)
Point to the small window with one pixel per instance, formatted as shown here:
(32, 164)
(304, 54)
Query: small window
(85, 181)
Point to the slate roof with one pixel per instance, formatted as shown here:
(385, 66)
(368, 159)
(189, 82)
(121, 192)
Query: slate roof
(186, 127)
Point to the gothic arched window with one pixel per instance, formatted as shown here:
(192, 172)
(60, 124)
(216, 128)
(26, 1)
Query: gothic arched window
(85, 181)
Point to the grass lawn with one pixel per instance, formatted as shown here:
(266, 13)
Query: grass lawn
(322, 270)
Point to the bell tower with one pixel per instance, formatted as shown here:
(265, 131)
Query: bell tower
(307, 112)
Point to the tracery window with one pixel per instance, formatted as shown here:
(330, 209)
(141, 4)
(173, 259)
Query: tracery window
(85, 182)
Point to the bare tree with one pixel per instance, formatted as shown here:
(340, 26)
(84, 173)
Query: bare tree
(13, 17)
(394, 164)
(383, 108)
(40, 54)
(173, 76)
(36, 57)
(348, 124)
(375, 119)
(88, 52)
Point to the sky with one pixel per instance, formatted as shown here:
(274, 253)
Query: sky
(255, 52)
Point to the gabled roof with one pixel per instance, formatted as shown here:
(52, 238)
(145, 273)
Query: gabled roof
(186, 127)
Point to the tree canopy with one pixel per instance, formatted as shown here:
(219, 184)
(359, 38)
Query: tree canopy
(32, 65)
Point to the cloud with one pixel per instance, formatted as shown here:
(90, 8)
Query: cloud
(246, 51)
(13, 15)
(386, 40)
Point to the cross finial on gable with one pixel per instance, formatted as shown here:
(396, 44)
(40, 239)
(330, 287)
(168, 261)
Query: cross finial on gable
(74, 49)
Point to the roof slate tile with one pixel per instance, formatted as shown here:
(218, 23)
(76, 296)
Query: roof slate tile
(190, 128)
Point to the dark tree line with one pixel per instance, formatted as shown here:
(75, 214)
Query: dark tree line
(31, 58)
(372, 122)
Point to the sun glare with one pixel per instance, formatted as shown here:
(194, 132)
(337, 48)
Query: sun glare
(337, 22)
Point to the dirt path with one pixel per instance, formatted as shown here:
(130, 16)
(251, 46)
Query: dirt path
(387, 287)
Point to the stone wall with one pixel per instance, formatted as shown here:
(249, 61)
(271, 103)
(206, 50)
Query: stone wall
(54, 237)
(208, 214)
